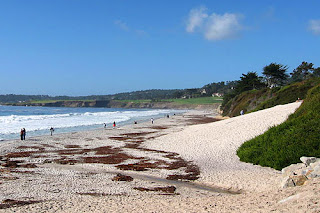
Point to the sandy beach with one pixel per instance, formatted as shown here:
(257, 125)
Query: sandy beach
(185, 163)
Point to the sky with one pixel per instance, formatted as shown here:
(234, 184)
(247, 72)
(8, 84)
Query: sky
(97, 47)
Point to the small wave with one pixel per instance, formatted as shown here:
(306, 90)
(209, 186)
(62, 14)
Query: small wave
(12, 124)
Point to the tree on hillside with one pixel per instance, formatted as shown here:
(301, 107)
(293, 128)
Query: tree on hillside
(249, 81)
(177, 94)
(220, 87)
(302, 72)
(275, 74)
(316, 72)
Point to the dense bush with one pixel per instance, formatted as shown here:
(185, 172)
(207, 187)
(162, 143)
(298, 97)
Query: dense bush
(283, 145)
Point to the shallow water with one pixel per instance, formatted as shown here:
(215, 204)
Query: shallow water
(38, 120)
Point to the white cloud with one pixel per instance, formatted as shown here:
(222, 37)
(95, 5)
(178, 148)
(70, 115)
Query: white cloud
(122, 25)
(214, 26)
(196, 18)
(222, 26)
(314, 26)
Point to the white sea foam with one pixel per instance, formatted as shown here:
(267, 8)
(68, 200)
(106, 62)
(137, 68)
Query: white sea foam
(12, 124)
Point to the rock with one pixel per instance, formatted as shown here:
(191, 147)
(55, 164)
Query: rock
(316, 172)
(291, 181)
(308, 160)
(293, 168)
(298, 174)
(299, 179)
(312, 165)
(287, 182)
(307, 172)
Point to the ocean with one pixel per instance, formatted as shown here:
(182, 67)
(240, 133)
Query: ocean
(38, 120)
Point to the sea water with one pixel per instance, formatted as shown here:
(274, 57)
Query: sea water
(38, 120)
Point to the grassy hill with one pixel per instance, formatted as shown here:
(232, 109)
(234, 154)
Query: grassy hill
(265, 98)
(299, 136)
(192, 103)
(200, 100)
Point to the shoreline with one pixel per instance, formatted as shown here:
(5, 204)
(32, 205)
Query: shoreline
(82, 172)
(93, 127)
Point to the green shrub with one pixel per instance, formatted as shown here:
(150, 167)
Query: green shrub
(283, 145)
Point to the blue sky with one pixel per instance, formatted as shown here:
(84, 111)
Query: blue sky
(84, 47)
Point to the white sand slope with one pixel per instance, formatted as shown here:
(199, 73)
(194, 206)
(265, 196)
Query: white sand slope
(213, 148)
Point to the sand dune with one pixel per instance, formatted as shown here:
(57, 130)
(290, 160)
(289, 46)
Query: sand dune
(213, 147)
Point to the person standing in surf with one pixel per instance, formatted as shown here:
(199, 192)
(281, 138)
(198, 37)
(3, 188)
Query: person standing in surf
(51, 130)
(114, 124)
(21, 134)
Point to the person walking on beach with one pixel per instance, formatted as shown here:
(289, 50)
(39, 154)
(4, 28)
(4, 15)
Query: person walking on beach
(24, 133)
(104, 125)
(51, 130)
(241, 112)
(114, 124)
(152, 120)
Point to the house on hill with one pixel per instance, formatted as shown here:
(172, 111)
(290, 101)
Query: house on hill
(217, 94)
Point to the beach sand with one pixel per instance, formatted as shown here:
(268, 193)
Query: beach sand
(185, 163)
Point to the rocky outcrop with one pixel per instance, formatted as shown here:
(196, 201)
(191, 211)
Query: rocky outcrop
(298, 174)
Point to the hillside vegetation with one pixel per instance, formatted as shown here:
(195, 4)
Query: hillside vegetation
(143, 96)
(200, 100)
(299, 136)
(192, 103)
(254, 100)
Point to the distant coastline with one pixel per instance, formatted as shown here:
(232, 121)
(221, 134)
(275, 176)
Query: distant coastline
(117, 104)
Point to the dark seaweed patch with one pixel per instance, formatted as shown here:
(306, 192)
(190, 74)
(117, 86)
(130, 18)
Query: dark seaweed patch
(168, 189)
(8, 203)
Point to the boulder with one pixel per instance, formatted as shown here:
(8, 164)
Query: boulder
(308, 160)
(316, 172)
(287, 182)
(293, 169)
(298, 174)
(307, 172)
(312, 165)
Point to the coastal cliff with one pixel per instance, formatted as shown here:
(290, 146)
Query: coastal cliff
(120, 104)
